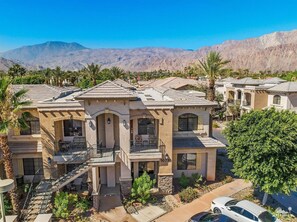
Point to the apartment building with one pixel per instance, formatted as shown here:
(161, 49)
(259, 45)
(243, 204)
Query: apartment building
(250, 93)
(283, 96)
(111, 133)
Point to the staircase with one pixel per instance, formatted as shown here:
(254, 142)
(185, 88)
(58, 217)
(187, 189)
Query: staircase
(39, 198)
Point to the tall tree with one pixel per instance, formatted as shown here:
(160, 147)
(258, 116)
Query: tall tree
(117, 72)
(58, 76)
(10, 118)
(212, 67)
(16, 70)
(263, 148)
(93, 71)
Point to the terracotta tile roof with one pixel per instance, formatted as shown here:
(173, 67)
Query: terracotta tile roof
(40, 92)
(284, 87)
(124, 84)
(106, 90)
(172, 82)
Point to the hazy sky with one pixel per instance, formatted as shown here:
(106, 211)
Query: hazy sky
(186, 24)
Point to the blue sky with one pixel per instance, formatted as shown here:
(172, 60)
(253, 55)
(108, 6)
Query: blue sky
(188, 24)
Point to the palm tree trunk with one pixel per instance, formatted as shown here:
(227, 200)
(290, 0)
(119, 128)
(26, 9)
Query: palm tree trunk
(7, 159)
(211, 90)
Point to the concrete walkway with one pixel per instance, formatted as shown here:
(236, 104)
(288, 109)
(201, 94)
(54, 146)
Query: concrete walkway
(203, 203)
(148, 214)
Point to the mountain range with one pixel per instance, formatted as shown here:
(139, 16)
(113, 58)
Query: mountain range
(275, 52)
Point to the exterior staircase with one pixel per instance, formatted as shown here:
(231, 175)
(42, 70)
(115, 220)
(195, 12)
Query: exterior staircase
(39, 198)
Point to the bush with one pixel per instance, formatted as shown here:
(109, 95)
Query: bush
(188, 195)
(83, 204)
(62, 203)
(141, 188)
(197, 179)
(184, 181)
(228, 179)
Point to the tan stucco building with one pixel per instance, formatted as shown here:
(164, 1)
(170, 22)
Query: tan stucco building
(112, 133)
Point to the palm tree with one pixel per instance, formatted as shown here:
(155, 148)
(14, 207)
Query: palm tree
(212, 66)
(10, 118)
(117, 72)
(58, 76)
(93, 71)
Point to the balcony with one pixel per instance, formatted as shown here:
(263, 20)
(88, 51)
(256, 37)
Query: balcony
(75, 151)
(103, 155)
(152, 148)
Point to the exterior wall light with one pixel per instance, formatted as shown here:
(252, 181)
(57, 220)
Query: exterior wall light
(108, 120)
(124, 122)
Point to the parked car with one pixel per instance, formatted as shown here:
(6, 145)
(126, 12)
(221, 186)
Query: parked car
(241, 211)
(210, 217)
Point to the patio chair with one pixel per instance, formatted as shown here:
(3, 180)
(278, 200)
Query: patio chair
(138, 140)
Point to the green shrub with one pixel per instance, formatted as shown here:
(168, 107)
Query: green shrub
(197, 180)
(188, 195)
(141, 188)
(184, 181)
(61, 203)
(228, 179)
(83, 204)
(7, 205)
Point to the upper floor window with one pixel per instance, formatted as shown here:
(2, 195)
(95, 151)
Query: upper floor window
(277, 100)
(146, 126)
(33, 126)
(72, 127)
(187, 122)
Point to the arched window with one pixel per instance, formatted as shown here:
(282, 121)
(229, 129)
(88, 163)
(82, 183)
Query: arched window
(277, 100)
(187, 122)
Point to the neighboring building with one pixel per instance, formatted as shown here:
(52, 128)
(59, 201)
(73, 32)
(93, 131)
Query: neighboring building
(283, 96)
(176, 83)
(112, 134)
(250, 93)
(222, 84)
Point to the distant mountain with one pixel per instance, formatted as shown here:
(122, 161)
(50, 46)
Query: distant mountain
(38, 54)
(276, 52)
(5, 64)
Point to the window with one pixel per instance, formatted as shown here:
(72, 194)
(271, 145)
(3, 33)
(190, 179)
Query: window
(32, 165)
(236, 209)
(186, 161)
(72, 128)
(277, 100)
(249, 215)
(187, 122)
(33, 127)
(146, 126)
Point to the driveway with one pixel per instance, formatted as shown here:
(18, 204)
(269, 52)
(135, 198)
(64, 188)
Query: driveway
(203, 203)
(287, 201)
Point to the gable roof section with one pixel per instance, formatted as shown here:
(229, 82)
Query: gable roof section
(284, 87)
(172, 82)
(40, 92)
(107, 90)
(124, 84)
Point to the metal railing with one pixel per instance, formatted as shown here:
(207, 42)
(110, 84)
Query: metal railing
(152, 144)
(32, 190)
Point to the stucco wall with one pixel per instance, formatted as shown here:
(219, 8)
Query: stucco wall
(48, 121)
(205, 165)
(203, 119)
(260, 100)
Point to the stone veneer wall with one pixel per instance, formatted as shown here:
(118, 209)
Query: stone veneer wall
(165, 184)
(126, 186)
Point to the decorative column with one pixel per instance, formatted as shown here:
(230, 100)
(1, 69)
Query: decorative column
(5, 186)
(96, 191)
